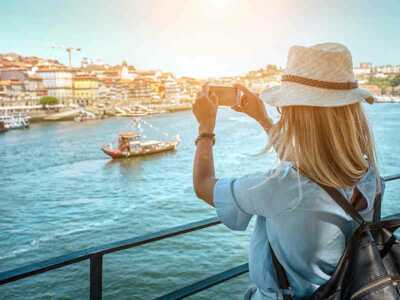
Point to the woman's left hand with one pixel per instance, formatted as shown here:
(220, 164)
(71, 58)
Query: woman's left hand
(205, 110)
(252, 105)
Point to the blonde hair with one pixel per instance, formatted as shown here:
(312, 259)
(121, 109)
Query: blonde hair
(333, 146)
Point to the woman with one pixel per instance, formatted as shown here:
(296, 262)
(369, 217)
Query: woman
(323, 138)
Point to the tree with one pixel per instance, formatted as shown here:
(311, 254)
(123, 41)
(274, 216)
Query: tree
(394, 82)
(48, 100)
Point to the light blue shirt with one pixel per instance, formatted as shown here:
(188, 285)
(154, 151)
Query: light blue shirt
(303, 224)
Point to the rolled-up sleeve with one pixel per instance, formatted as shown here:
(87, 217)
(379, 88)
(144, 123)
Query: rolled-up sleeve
(262, 194)
(226, 204)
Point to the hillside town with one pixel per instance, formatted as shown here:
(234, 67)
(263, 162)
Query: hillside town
(27, 82)
(24, 80)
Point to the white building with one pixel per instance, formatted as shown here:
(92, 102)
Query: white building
(388, 69)
(363, 69)
(58, 82)
(126, 73)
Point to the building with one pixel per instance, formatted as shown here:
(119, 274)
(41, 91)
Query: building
(12, 93)
(190, 86)
(388, 69)
(142, 90)
(170, 87)
(34, 89)
(111, 91)
(127, 72)
(5, 93)
(85, 89)
(365, 65)
(13, 74)
(58, 82)
(363, 69)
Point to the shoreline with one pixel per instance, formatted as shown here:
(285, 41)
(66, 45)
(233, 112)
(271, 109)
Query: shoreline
(70, 114)
(43, 115)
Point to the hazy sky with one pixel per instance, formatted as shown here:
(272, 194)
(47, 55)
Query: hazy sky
(199, 37)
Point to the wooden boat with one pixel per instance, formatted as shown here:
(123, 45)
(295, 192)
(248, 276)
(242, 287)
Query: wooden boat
(130, 145)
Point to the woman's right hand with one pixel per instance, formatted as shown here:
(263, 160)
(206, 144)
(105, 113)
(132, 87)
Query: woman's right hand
(252, 105)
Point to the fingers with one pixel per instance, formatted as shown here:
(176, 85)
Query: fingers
(205, 88)
(237, 108)
(244, 100)
(202, 103)
(214, 99)
(195, 106)
(200, 94)
(243, 89)
(205, 96)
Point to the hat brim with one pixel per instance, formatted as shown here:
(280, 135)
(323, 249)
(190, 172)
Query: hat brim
(291, 93)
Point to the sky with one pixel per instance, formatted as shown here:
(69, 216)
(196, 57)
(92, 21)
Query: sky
(201, 38)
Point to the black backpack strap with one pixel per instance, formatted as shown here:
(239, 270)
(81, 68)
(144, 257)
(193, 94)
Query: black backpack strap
(283, 281)
(343, 203)
(378, 200)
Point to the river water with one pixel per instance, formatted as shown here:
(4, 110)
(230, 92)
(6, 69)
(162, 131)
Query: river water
(60, 193)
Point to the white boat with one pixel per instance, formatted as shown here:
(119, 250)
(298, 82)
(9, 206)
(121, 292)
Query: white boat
(16, 121)
(85, 116)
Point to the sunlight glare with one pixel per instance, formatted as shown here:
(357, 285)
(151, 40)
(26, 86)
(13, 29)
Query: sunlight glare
(219, 3)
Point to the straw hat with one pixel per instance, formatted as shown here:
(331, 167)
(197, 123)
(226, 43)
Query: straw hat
(321, 75)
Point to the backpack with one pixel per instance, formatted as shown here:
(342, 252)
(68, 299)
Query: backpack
(369, 268)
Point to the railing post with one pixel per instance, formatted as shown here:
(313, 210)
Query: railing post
(96, 277)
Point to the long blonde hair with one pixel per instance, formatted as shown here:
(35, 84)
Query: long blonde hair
(331, 145)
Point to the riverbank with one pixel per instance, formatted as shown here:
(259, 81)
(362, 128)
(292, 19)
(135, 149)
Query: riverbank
(69, 114)
(119, 110)
(388, 99)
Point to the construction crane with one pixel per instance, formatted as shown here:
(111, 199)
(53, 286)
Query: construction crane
(69, 51)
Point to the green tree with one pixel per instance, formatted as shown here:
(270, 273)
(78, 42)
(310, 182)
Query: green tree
(48, 100)
(394, 82)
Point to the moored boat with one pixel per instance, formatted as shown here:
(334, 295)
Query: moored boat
(85, 116)
(16, 121)
(130, 145)
(3, 127)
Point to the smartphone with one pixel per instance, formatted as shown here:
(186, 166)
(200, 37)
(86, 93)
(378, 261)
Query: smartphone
(227, 95)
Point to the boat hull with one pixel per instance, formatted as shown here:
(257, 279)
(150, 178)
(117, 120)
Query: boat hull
(117, 154)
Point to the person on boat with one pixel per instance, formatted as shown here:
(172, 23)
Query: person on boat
(124, 145)
(321, 138)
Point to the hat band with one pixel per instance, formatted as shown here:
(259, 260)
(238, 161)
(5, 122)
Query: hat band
(321, 84)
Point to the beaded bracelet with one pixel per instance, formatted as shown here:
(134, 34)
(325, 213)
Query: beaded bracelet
(210, 136)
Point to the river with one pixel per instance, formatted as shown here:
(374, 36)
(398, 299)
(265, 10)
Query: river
(60, 193)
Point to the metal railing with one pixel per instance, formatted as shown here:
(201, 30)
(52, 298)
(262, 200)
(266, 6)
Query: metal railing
(95, 255)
